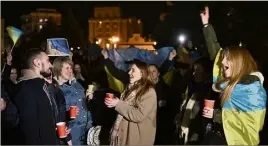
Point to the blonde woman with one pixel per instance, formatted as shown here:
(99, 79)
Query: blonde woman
(243, 98)
(136, 120)
(74, 95)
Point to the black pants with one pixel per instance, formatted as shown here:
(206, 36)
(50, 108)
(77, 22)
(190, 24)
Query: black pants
(212, 138)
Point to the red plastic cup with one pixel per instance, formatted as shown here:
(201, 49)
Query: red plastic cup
(109, 95)
(209, 103)
(61, 128)
(73, 110)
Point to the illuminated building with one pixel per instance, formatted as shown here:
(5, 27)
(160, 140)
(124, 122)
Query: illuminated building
(34, 21)
(107, 23)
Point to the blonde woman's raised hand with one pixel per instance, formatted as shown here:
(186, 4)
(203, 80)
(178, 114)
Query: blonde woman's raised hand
(205, 16)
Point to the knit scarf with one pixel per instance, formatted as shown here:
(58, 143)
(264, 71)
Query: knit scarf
(115, 129)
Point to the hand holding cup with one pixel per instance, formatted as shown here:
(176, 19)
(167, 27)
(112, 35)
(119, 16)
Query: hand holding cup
(90, 91)
(208, 108)
(61, 128)
(67, 131)
(208, 112)
(74, 111)
(110, 100)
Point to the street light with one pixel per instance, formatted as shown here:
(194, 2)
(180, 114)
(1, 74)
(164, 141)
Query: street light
(240, 44)
(98, 41)
(155, 43)
(182, 38)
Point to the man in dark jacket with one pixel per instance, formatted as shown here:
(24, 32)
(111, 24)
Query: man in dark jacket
(36, 121)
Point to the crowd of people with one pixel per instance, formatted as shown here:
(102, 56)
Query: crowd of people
(216, 99)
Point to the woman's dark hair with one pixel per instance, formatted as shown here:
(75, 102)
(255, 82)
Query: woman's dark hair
(206, 63)
(143, 85)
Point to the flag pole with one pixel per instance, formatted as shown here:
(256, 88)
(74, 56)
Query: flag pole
(12, 47)
(5, 62)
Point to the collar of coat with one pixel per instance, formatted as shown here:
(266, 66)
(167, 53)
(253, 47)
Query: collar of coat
(70, 81)
(29, 74)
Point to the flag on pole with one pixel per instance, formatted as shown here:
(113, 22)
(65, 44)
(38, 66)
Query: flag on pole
(14, 33)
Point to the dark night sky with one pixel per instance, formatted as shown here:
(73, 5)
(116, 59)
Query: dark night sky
(250, 17)
(147, 11)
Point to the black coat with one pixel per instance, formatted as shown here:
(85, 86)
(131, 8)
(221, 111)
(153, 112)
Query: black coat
(9, 119)
(36, 121)
(60, 105)
(102, 115)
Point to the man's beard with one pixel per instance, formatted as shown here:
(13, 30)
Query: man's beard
(46, 74)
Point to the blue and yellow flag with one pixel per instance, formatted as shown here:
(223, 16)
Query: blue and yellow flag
(243, 113)
(14, 33)
(217, 70)
(114, 83)
(168, 77)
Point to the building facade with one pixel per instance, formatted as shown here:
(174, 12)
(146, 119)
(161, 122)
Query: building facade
(35, 21)
(107, 23)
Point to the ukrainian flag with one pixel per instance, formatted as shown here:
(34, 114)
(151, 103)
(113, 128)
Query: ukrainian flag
(168, 77)
(113, 82)
(14, 33)
(182, 55)
(217, 72)
(244, 113)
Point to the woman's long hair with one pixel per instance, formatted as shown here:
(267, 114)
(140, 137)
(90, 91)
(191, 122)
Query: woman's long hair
(143, 85)
(241, 63)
